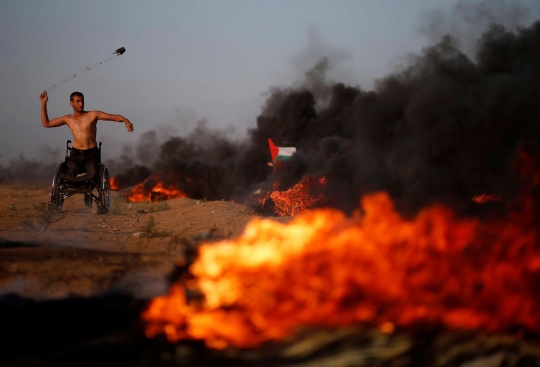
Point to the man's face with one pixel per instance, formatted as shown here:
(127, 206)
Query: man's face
(77, 103)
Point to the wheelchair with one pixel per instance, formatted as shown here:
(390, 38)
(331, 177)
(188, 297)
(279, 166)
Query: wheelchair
(65, 185)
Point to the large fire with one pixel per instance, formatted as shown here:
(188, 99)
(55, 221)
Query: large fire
(297, 199)
(158, 192)
(376, 268)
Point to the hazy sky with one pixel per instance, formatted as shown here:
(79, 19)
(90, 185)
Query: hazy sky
(194, 59)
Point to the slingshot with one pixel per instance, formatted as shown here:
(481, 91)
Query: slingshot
(116, 53)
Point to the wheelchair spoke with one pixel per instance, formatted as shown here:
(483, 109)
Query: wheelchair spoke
(104, 199)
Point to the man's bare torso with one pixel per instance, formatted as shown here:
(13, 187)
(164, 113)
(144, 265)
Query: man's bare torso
(84, 129)
(83, 124)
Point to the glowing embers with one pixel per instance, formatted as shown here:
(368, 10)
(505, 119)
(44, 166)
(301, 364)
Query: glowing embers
(156, 192)
(486, 198)
(301, 197)
(377, 269)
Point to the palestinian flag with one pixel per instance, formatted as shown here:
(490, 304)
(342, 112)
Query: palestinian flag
(280, 153)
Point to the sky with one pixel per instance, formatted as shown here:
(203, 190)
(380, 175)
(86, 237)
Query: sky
(193, 60)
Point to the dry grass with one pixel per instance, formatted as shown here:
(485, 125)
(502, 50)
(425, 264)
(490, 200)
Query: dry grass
(149, 230)
(45, 216)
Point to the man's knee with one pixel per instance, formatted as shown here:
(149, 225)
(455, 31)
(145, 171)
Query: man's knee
(92, 167)
(72, 166)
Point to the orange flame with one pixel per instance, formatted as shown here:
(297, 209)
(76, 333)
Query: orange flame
(113, 185)
(296, 199)
(157, 193)
(323, 269)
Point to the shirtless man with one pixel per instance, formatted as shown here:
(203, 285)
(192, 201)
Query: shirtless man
(84, 155)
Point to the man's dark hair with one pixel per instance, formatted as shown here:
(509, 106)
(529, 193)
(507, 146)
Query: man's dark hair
(75, 94)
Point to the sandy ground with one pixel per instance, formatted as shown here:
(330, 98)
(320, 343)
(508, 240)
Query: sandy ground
(78, 252)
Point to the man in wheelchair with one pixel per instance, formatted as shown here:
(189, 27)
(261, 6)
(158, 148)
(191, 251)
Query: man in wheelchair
(82, 171)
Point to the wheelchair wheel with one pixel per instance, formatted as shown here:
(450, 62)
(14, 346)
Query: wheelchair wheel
(104, 198)
(57, 198)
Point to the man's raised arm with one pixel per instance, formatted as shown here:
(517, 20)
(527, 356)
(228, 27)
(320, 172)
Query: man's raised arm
(43, 97)
(118, 118)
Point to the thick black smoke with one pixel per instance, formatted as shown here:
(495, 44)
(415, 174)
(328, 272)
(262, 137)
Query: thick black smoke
(444, 129)
(468, 20)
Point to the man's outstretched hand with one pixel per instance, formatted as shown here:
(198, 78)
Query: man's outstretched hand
(43, 97)
(129, 127)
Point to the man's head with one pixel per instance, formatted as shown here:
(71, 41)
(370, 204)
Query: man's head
(76, 100)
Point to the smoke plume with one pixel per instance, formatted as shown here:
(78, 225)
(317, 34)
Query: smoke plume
(444, 129)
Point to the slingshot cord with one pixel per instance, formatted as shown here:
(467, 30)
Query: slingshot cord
(109, 57)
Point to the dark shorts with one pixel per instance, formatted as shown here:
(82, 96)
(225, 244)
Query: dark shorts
(81, 161)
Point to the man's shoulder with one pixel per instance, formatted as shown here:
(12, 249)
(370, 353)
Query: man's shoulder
(92, 114)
